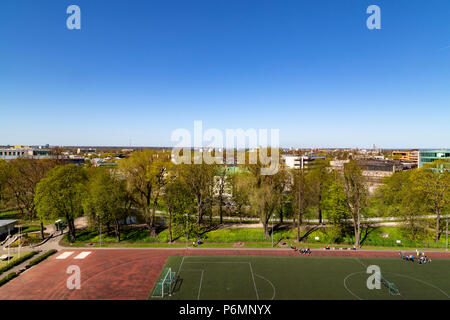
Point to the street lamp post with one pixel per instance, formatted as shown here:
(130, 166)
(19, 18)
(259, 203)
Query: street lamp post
(9, 238)
(20, 239)
(273, 217)
(187, 235)
(446, 235)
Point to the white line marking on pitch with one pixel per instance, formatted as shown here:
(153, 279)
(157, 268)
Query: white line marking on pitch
(270, 282)
(83, 255)
(249, 264)
(64, 255)
(200, 287)
(256, 290)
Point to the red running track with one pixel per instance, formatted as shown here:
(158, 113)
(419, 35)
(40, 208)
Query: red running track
(130, 274)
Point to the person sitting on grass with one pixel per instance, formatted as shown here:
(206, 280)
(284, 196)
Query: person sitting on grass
(424, 259)
(292, 246)
(303, 250)
(199, 242)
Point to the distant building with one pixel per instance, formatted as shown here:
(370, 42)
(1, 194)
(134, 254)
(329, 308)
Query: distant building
(428, 156)
(24, 152)
(376, 170)
(300, 162)
(406, 156)
(338, 165)
(86, 150)
(99, 162)
(381, 168)
(74, 160)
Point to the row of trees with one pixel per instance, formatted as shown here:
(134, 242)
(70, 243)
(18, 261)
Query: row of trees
(411, 195)
(148, 180)
(18, 181)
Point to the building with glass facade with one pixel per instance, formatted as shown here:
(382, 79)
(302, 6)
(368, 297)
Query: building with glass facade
(428, 156)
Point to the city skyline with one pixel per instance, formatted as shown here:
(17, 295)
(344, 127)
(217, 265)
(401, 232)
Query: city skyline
(140, 71)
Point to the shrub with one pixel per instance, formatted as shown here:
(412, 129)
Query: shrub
(41, 258)
(18, 261)
(9, 277)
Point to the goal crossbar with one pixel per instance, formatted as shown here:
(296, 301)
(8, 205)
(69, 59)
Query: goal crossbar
(165, 285)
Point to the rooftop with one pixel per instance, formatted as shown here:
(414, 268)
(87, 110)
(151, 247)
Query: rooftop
(7, 222)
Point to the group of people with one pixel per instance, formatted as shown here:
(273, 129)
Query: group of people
(421, 257)
(306, 250)
(196, 243)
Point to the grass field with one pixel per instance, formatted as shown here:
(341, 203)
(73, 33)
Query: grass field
(249, 238)
(292, 278)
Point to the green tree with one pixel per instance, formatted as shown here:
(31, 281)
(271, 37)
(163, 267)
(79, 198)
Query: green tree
(335, 208)
(221, 182)
(60, 194)
(21, 179)
(356, 195)
(300, 196)
(200, 180)
(266, 194)
(319, 178)
(241, 183)
(107, 201)
(178, 200)
(400, 196)
(3, 182)
(145, 172)
(433, 181)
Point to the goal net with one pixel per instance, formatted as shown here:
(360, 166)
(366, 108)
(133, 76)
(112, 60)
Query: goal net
(391, 286)
(165, 285)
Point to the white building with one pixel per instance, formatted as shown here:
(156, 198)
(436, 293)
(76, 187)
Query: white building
(299, 162)
(24, 152)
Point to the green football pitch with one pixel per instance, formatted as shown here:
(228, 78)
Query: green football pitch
(296, 278)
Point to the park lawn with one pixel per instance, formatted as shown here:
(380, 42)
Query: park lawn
(299, 278)
(247, 238)
(27, 225)
(10, 214)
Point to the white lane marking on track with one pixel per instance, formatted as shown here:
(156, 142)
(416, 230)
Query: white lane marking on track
(83, 255)
(64, 255)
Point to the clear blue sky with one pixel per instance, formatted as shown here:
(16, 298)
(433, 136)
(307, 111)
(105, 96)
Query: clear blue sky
(140, 69)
